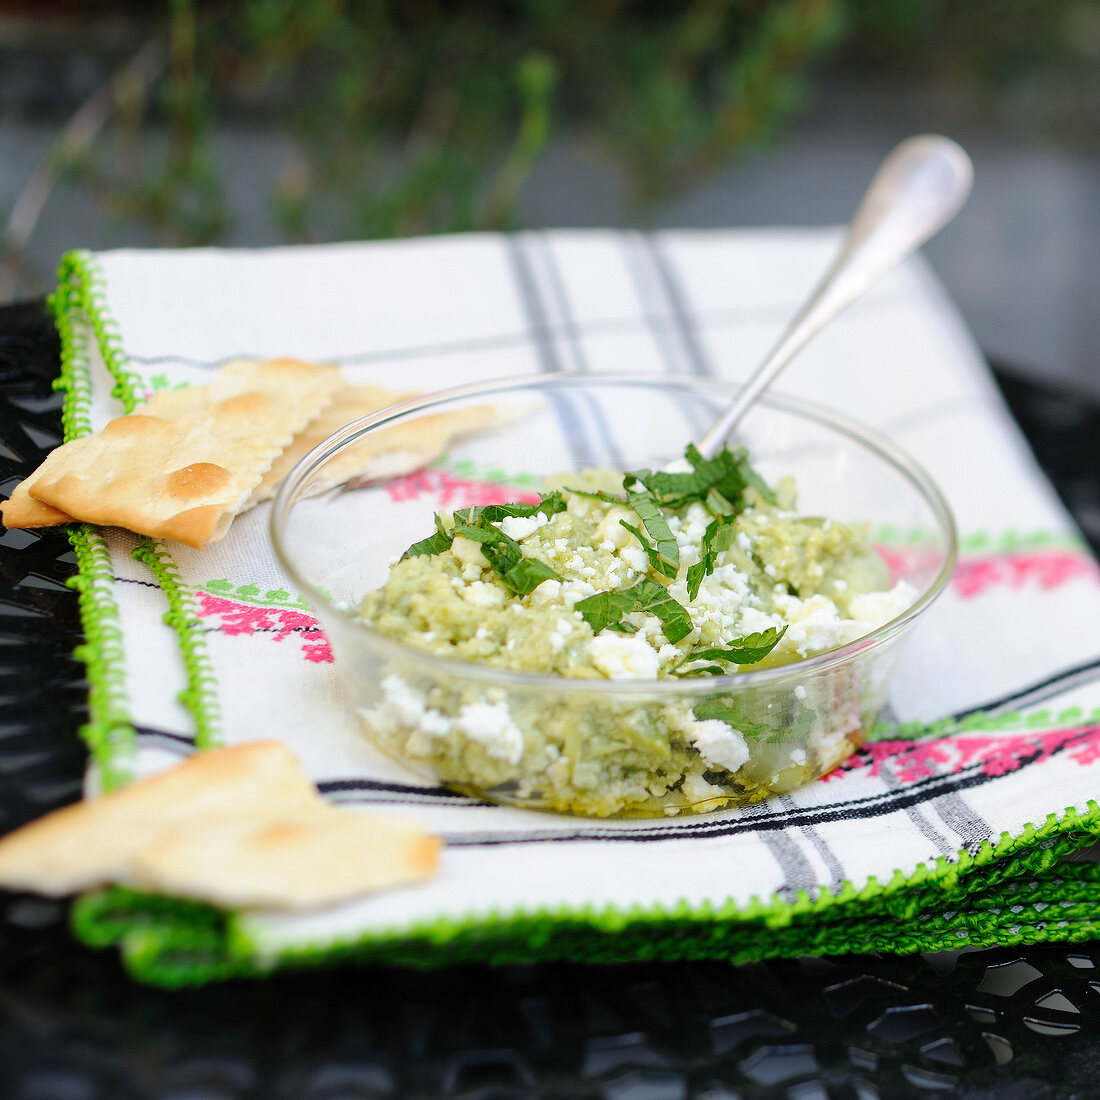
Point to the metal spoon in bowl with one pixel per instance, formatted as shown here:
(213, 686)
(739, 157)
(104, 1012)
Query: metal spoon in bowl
(917, 190)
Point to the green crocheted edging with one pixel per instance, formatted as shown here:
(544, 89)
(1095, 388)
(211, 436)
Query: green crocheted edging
(200, 696)
(86, 287)
(108, 733)
(173, 943)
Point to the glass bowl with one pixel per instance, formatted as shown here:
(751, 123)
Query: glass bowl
(594, 746)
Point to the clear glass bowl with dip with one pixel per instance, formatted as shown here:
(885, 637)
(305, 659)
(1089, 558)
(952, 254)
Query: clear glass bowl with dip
(625, 743)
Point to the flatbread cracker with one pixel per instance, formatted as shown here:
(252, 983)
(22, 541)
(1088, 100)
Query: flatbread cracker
(297, 861)
(22, 510)
(388, 453)
(239, 827)
(92, 843)
(184, 464)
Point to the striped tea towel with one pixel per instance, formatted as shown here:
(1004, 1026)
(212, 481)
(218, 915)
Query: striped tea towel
(946, 830)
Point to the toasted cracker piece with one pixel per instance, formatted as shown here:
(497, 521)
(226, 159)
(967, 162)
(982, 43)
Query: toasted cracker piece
(241, 826)
(22, 510)
(91, 843)
(296, 861)
(387, 453)
(183, 465)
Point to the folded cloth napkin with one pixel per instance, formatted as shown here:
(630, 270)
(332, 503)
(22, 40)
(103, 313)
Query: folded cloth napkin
(949, 828)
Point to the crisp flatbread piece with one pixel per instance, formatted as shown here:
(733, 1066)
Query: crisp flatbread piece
(295, 861)
(92, 843)
(388, 453)
(183, 465)
(240, 826)
(22, 510)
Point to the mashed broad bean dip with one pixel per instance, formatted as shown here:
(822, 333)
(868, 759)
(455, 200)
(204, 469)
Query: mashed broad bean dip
(639, 577)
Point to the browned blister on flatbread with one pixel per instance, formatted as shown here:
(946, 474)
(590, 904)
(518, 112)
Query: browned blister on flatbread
(184, 464)
(240, 826)
(389, 452)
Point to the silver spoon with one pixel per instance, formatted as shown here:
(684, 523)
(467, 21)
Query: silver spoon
(917, 190)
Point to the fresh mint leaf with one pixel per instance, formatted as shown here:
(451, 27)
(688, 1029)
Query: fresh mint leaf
(720, 482)
(605, 610)
(743, 651)
(520, 575)
(433, 544)
(623, 627)
(656, 562)
(675, 620)
(667, 560)
(715, 708)
(717, 537)
(479, 515)
(526, 575)
(701, 670)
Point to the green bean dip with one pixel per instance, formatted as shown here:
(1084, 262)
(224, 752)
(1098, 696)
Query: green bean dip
(647, 576)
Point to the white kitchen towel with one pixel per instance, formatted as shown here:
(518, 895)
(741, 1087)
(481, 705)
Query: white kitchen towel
(996, 705)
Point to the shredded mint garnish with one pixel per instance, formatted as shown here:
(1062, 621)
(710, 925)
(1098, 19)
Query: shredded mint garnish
(744, 651)
(606, 609)
(717, 537)
(714, 708)
(796, 730)
(520, 575)
(481, 514)
(433, 544)
(741, 651)
(719, 482)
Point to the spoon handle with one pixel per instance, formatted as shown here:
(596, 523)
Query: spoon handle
(918, 189)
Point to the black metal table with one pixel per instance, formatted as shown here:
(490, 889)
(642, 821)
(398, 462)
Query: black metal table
(1005, 1023)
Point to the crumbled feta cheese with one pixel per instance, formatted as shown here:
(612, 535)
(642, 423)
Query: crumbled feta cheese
(469, 556)
(572, 592)
(754, 621)
(815, 625)
(877, 608)
(402, 708)
(697, 790)
(521, 527)
(623, 657)
(562, 629)
(547, 592)
(484, 595)
(491, 726)
(610, 530)
(717, 743)
(635, 557)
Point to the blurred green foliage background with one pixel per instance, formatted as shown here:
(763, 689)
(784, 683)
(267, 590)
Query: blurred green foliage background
(419, 116)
